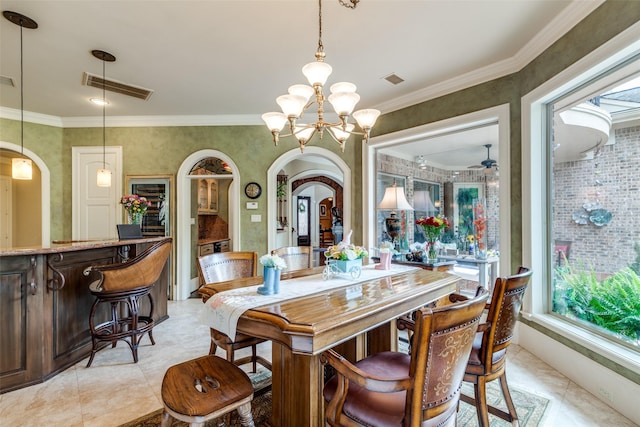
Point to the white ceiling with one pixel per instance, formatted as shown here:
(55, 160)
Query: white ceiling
(225, 62)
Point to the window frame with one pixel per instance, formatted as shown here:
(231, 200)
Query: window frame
(566, 87)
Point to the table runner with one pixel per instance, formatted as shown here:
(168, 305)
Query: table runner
(222, 311)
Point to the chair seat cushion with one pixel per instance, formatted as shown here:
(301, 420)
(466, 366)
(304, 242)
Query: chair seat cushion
(372, 408)
(475, 365)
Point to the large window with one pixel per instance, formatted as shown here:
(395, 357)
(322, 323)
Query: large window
(593, 158)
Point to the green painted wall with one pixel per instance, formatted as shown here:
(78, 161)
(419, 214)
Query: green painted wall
(161, 150)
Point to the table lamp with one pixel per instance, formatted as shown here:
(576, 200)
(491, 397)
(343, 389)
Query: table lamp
(394, 199)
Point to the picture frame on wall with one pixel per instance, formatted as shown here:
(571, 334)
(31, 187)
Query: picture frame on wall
(323, 210)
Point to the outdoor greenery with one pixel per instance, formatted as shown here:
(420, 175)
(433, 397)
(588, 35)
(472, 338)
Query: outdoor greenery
(612, 304)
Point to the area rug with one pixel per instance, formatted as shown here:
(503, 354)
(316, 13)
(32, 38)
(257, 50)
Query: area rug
(530, 407)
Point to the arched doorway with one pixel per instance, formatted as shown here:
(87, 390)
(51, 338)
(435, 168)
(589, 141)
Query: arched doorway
(186, 243)
(281, 163)
(45, 188)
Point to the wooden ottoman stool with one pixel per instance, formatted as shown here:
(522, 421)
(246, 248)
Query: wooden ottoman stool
(205, 388)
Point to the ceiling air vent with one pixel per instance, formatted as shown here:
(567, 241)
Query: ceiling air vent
(93, 80)
(394, 79)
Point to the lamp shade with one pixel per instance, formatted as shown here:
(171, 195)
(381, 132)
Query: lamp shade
(342, 87)
(422, 202)
(340, 134)
(304, 91)
(303, 133)
(317, 72)
(292, 105)
(394, 198)
(104, 178)
(275, 121)
(343, 103)
(366, 118)
(21, 168)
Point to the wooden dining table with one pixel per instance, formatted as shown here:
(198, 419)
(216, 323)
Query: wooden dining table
(357, 318)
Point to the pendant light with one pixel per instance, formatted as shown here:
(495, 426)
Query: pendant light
(104, 174)
(21, 168)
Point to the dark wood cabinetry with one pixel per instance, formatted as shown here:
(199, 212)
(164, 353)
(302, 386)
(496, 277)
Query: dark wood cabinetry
(44, 309)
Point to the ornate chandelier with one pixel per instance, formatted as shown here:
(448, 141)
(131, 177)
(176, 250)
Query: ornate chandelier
(343, 99)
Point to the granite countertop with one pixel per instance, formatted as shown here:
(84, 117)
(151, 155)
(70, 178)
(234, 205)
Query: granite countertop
(57, 246)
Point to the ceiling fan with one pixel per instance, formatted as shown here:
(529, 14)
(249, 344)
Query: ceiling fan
(488, 164)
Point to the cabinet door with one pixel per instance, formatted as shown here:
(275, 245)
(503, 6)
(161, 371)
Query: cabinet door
(21, 282)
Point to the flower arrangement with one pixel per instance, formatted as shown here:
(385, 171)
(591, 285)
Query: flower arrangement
(135, 204)
(273, 261)
(387, 246)
(433, 226)
(480, 224)
(345, 252)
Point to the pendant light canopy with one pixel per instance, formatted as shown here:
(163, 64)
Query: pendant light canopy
(104, 174)
(21, 168)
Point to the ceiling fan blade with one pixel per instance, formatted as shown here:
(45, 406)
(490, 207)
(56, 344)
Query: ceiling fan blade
(475, 167)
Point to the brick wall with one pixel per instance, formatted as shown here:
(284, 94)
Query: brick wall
(409, 169)
(608, 248)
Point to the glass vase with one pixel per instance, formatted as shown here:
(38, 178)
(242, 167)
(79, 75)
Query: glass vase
(135, 218)
(480, 228)
(432, 253)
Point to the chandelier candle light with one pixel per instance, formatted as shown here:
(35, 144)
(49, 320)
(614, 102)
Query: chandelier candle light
(343, 98)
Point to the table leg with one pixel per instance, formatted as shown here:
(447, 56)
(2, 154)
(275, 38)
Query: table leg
(296, 388)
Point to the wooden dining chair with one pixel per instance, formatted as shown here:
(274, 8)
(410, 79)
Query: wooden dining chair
(399, 389)
(296, 257)
(488, 357)
(220, 267)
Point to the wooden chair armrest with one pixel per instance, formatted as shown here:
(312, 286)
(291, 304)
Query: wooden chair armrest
(347, 371)
(483, 327)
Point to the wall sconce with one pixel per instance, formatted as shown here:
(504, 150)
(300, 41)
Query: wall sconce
(21, 168)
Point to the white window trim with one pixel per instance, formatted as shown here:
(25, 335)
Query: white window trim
(534, 225)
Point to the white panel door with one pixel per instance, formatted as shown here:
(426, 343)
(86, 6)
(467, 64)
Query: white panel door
(96, 210)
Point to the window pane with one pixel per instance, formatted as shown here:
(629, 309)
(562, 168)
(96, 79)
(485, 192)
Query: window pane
(595, 212)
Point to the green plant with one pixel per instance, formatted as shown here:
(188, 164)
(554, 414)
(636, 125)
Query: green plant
(612, 304)
(281, 190)
(635, 266)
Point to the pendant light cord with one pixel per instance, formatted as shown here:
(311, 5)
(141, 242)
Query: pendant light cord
(21, 92)
(104, 102)
(320, 46)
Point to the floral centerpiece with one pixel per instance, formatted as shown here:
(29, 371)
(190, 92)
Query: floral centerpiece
(345, 252)
(273, 265)
(273, 261)
(346, 256)
(135, 206)
(433, 227)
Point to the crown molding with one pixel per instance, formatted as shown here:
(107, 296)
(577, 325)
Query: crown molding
(557, 28)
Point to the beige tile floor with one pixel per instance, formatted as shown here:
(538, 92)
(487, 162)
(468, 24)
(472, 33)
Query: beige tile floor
(114, 390)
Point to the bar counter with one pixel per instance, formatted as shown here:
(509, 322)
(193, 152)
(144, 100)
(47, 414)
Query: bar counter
(45, 303)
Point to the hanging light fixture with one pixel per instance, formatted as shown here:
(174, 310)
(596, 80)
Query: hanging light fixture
(104, 174)
(21, 168)
(343, 98)
(422, 162)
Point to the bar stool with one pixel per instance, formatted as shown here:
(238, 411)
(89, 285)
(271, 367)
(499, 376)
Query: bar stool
(122, 287)
(205, 388)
